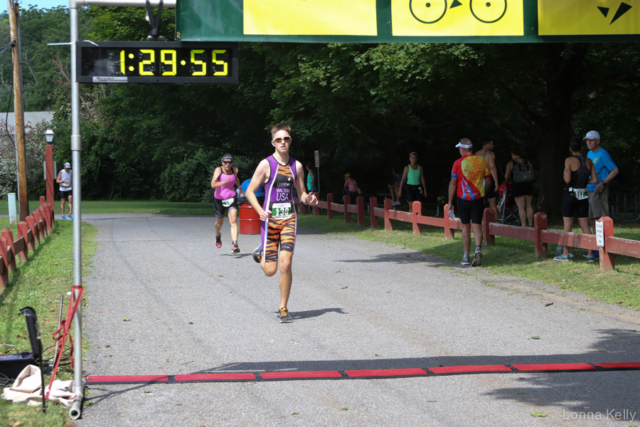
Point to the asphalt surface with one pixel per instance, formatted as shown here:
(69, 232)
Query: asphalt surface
(193, 308)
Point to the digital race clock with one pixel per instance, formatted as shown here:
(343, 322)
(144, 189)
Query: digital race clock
(157, 62)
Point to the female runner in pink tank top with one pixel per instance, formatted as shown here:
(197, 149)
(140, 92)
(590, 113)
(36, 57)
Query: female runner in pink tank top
(224, 180)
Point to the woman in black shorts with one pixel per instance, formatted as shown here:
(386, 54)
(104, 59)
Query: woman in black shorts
(578, 172)
(522, 191)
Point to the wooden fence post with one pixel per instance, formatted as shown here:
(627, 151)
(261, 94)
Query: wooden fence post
(42, 201)
(45, 217)
(23, 232)
(31, 223)
(346, 202)
(449, 233)
(417, 211)
(4, 277)
(488, 217)
(607, 260)
(360, 204)
(540, 223)
(329, 210)
(373, 203)
(8, 236)
(388, 206)
(316, 208)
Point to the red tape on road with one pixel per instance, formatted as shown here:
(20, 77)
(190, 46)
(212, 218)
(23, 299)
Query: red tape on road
(364, 374)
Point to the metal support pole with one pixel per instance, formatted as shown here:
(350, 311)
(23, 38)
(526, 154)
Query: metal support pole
(78, 387)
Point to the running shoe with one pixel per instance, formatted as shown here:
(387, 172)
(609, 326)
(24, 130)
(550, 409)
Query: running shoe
(590, 259)
(561, 258)
(63, 217)
(466, 260)
(70, 217)
(218, 241)
(284, 316)
(396, 203)
(257, 254)
(234, 248)
(596, 255)
(477, 259)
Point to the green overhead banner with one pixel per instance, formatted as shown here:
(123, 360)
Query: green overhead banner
(397, 21)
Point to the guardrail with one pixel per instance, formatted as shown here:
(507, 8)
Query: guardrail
(539, 234)
(31, 232)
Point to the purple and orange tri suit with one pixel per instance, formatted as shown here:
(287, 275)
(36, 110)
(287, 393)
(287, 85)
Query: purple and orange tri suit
(280, 229)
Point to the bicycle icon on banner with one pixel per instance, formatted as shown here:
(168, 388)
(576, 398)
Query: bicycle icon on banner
(432, 11)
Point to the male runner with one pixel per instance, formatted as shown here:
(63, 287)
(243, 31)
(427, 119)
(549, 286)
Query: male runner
(65, 179)
(279, 172)
(489, 156)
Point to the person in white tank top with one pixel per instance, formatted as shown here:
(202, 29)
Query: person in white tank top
(65, 179)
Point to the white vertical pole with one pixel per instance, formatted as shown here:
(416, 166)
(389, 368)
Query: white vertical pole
(11, 198)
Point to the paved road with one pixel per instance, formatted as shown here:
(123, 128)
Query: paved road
(357, 305)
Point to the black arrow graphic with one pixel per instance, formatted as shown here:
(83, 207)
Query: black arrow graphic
(624, 8)
(604, 10)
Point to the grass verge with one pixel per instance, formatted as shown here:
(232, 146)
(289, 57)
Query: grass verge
(39, 283)
(512, 257)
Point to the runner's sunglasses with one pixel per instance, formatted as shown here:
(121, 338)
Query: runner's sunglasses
(286, 139)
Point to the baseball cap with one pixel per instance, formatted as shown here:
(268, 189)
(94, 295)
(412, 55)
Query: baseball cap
(347, 175)
(592, 134)
(67, 165)
(460, 144)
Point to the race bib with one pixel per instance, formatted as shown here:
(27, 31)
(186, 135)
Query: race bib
(281, 210)
(580, 193)
(228, 202)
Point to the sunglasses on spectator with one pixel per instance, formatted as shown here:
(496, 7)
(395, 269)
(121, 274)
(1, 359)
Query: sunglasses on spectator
(286, 139)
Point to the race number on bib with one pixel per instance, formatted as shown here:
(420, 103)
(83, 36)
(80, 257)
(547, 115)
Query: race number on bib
(228, 202)
(580, 193)
(281, 210)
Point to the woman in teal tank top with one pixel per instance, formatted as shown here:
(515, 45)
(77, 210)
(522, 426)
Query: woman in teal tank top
(412, 181)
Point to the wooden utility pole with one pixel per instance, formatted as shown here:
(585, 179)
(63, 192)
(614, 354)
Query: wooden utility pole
(18, 113)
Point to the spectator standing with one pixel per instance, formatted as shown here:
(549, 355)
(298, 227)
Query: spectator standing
(522, 185)
(412, 178)
(470, 176)
(394, 188)
(312, 183)
(65, 178)
(606, 170)
(350, 188)
(224, 179)
(578, 172)
(491, 193)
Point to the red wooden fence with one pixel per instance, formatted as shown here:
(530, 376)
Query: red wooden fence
(539, 235)
(37, 226)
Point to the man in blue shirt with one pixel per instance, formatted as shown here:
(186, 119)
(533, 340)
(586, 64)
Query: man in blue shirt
(606, 170)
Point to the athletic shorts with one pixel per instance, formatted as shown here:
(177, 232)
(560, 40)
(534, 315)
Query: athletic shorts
(413, 193)
(280, 235)
(599, 203)
(522, 189)
(490, 193)
(471, 210)
(66, 194)
(571, 205)
(220, 209)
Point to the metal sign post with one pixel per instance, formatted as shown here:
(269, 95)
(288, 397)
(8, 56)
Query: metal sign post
(76, 148)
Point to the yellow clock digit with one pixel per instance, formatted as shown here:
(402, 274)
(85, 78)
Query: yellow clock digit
(225, 70)
(150, 61)
(172, 61)
(122, 66)
(203, 71)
